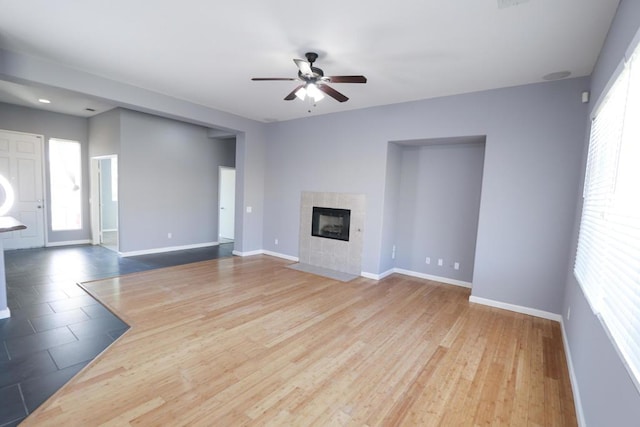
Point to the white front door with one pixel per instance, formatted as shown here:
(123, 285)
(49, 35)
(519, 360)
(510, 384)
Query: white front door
(21, 157)
(227, 202)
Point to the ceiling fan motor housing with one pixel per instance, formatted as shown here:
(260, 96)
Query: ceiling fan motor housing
(311, 57)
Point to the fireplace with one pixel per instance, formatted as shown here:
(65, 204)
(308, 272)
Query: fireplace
(329, 251)
(331, 223)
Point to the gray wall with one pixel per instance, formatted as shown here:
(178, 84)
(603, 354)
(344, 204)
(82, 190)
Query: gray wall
(104, 140)
(390, 208)
(225, 151)
(607, 393)
(54, 125)
(535, 135)
(438, 208)
(168, 176)
(104, 134)
(251, 151)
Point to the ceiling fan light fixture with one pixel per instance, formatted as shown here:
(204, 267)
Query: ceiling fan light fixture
(314, 92)
(301, 93)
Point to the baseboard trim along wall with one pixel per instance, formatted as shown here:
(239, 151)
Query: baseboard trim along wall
(266, 252)
(68, 243)
(167, 249)
(5, 314)
(419, 275)
(574, 379)
(373, 276)
(248, 253)
(279, 255)
(517, 308)
(446, 280)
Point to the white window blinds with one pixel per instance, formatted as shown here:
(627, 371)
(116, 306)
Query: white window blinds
(608, 256)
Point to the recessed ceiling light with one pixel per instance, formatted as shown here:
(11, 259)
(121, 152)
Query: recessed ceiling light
(557, 75)
(44, 101)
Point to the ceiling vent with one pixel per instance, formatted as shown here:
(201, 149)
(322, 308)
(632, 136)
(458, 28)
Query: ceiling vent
(502, 4)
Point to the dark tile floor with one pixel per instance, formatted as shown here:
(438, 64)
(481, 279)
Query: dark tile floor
(55, 327)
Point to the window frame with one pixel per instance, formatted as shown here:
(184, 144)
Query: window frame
(601, 297)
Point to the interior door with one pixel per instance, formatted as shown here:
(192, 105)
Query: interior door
(21, 157)
(227, 204)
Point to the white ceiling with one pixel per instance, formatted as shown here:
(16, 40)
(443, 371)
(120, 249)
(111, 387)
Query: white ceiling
(206, 51)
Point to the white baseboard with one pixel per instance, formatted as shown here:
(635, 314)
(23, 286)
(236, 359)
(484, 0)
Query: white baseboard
(5, 314)
(375, 276)
(167, 249)
(517, 308)
(572, 376)
(248, 253)
(68, 243)
(391, 271)
(446, 280)
(279, 255)
(266, 252)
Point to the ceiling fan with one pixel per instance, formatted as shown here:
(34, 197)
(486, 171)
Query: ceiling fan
(314, 81)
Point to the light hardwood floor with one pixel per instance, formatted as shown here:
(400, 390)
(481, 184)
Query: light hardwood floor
(247, 341)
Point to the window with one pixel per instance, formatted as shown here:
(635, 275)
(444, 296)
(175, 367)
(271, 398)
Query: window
(66, 185)
(608, 256)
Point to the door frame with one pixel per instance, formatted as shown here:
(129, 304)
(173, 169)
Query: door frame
(44, 150)
(94, 199)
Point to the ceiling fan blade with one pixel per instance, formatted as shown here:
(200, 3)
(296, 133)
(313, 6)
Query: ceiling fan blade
(304, 67)
(347, 79)
(259, 79)
(292, 95)
(333, 93)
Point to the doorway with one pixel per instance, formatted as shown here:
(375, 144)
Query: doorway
(104, 189)
(226, 203)
(21, 160)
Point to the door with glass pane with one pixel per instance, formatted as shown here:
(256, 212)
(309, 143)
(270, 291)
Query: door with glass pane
(21, 163)
(65, 176)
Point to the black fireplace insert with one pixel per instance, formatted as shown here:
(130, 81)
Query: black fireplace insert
(331, 223)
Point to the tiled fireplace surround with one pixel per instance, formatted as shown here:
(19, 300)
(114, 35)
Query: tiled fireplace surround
(333, 254)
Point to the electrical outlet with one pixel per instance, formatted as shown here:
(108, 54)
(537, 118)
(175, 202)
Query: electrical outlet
(440, 263)
(276, 241)
(456, 266)
(393, 252)
(568, 313)
(427, 260)
(169, 235)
